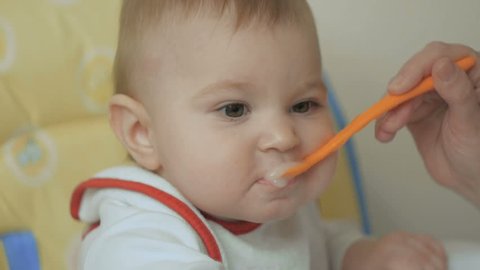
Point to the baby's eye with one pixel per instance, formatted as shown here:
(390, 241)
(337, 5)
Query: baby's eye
(304, 106)
(234, 110)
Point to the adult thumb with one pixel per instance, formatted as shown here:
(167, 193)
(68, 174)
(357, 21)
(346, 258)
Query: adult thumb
(456, 88)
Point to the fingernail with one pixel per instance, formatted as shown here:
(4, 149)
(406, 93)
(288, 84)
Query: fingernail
(397, 83)
(446, 72)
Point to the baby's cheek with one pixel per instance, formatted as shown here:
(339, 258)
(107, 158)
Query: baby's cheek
(322, 175)
(319, 136)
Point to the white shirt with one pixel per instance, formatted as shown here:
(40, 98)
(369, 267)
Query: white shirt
(139, 232)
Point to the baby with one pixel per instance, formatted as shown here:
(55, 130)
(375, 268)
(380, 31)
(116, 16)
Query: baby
(211, 95)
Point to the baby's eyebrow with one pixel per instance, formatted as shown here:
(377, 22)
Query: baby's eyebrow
(313, 86)
(224, 85)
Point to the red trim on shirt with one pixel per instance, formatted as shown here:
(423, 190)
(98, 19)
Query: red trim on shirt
(90, 228)
(170, 201)
(235, 227)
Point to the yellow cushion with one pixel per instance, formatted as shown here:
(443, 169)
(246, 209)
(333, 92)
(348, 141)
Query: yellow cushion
(39, 169)
(55, 59)
(340, 199)
(55, 78)
(3, 258)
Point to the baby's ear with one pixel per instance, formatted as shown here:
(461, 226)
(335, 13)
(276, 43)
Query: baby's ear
(131, 123)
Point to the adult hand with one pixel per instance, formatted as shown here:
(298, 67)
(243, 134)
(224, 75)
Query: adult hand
(445, 123)
(395, 251)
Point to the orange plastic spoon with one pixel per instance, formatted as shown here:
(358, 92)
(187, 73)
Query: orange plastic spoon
(384, 105)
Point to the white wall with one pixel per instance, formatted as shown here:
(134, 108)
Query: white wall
(363, 45)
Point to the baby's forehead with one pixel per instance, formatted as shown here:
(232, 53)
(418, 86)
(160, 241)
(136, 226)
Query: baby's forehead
(139, 18)
(150, 29)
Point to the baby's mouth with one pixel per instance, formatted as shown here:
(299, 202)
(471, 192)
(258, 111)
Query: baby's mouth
(275, 176)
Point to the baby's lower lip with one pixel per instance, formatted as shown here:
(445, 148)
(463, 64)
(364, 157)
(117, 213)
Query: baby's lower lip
(264, 181)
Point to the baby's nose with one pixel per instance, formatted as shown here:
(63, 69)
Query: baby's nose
(279, 135)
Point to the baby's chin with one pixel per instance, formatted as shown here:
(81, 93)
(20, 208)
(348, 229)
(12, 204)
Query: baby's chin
(277, 207)
(273, 213)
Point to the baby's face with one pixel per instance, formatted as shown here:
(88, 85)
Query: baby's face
(226, 107)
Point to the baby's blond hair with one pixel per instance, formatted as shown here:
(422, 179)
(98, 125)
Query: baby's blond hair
(137, 16)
